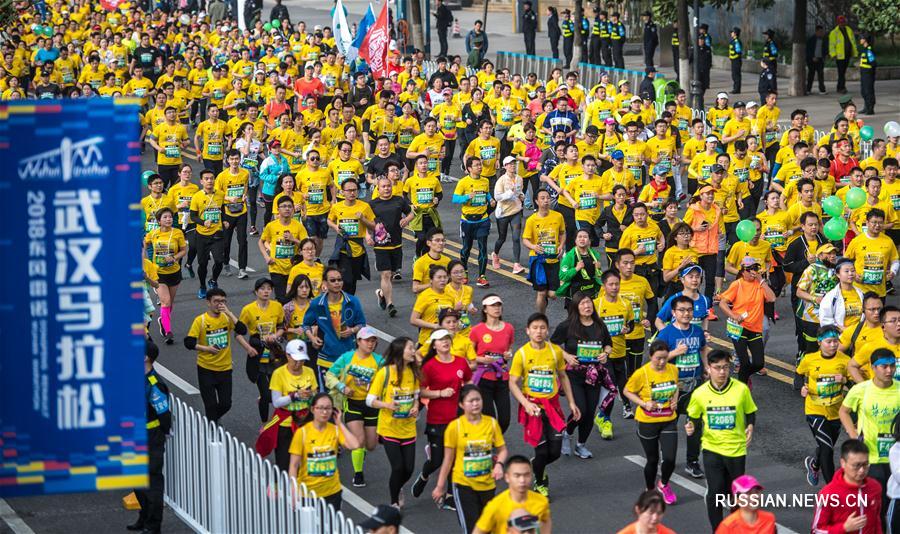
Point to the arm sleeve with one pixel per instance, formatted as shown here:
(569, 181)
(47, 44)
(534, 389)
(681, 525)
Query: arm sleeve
(240, 328)
(279, 400)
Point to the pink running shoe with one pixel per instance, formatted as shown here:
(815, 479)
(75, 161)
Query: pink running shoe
(667, 493)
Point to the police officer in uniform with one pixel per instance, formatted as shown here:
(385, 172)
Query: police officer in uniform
(567, 27)
(159, 422)
(867, 66)
(617, 38)
(768, 82)
(529, 27)
(770, 51)
(705, 57)
(605, 43)
(585, 34)
(736, 55)
(598, 26)
(651, 38)
(675, 45)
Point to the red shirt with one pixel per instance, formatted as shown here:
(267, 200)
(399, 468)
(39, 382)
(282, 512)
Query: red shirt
(304, 88)
(839, 170)
(487, 341)
(437, 375)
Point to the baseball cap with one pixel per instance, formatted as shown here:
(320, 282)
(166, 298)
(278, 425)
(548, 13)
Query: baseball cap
(712, 139)
(258, 71)
(752, 104)
(275, 144)
(660, 169)
(706, 189)
(509, 159)
(439, 334)
(592, 130)
(749, 261)
(740, 104)
(366, 332)
(716, 168)
(296, 349)
(744, 484)
(491, 300)
(382, 516)
(826, 248)
(636, 98)
(650, 69)
(722, 95)
(617, 154)
(446, 90)
(690, 268)
(610, 120)
(620, 83)
(262, 281)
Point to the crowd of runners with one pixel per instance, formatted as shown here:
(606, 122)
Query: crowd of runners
(643, 221)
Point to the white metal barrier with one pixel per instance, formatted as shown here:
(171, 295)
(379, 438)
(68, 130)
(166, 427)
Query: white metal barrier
(216, 484)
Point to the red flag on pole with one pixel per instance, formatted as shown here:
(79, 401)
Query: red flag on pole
(374, 47)
(110, 5)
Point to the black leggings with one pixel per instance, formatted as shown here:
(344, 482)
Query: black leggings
(586, 397)
(435, 436)
(617, 370)
(708, 264)
(402, 457)
(548, 450)
(265, 394)
(826, 433)
(239, 224)
(692, 454)
(469, 504)
(469, 238)
(449, 145)
(252, 204)
(720, 473)
(750, 351)
(215, 391)
(655, 437)
(427, 224)
(206, 245)
(495, 396)
(634, 355)
(282, 446)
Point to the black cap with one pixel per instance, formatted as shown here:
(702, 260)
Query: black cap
(650, 69)
(260, 282)
(740, 104)
(770, 32)
(736, 30)
(716, 168)
(645, 95)
(704, 26)
(383, 515)
(646, 14)
(592, 130)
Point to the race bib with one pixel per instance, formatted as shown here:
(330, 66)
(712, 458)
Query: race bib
(770, 137)
(488, 153)
(872, 276)
(604, 114)
(506, 115)
(214, 149)
(661, 393)
(733, 329)
(404, 403)
(480, 198)
(742, 174)
(321, 464)
(828, 390)
(424, 196)
(217, 338)
(361, 375)
(432, 164)
(540, 381)
(152, 224)
(218, 94)
(774, 238)
(172, 152)
(344, 175)
(477, 459)
(649, 244)
(588, 353)
(213, 215)
(549, 248)
(284, 251)
(140, 92)
(316, 196)
(234, 191)
(884, 443)
(406, 139)
(720, 123)
(449, 123)
(587, 201)
(721, 417)
(682, 124)
(349, 226)
(615, 325)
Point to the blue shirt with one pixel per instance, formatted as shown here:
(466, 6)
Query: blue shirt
(689, 364)
(43, 55)
(701, 309)
(561, 121)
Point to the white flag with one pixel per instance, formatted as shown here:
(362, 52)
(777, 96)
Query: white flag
(342, 36)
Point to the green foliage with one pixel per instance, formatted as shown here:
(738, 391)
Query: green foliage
(7, 12)
(664, 10)
(878, 17)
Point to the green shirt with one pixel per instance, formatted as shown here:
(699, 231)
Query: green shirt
(876, 408)
(723, 414)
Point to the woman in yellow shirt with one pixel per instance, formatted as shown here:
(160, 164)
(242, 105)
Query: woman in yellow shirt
(678, 255)
(308, 266)
(298, 296)
(469, 444)
(292, 387)
(169, 246)
(394, 392)
(314, 450)
(462, 295)
(654, 389)
(617, 315)
(430, 302)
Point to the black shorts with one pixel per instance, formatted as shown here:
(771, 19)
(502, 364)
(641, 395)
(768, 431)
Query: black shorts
(552, 273)
(317, 225)
(358, 410)
(390, 259)
(170, 280)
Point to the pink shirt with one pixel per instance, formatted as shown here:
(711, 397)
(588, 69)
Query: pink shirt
(490, 342)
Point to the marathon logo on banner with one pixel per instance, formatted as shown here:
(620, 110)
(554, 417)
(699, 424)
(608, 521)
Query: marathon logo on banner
(72, 412)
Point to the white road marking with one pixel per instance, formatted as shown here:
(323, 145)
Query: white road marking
(235, 265)
(175, 380)
(363, 506)
(12, 519)
(695, 488)
(382, 334)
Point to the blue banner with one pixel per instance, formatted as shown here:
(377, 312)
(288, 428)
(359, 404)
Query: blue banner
(72, 408)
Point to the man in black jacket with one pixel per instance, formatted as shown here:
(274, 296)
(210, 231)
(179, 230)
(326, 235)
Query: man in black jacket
(816, 52)
(529, 27)
(646, 87)
(444, 74)
(651, 38)
(279, 12)
(444, 21)
(799, 254)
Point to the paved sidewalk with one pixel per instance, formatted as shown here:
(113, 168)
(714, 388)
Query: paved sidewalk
(821, 108)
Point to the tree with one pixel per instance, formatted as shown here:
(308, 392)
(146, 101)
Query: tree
(798, 48)
(878, 17)
(415, 26)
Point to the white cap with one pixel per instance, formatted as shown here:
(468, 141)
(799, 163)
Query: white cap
(752, 104)
(712, 139)
(366, 332)
(296, 349)
(490, 301)
(439, 334)
(722, 95)
(509, 159)
(636, 98)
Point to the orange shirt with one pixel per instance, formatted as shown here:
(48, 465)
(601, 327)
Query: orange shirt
(632, 529)
(747, 297)
(735, 524)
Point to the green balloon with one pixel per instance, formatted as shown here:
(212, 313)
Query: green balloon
(835, 229)
(746, 231)
(48, 31)
(145, 176)
(276, 23)
(866, 133)
(267, 27)
(856, 197)
(833, 206)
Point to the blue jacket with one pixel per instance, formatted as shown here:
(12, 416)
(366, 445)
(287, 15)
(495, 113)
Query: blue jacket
(318, 315)
(272, 169)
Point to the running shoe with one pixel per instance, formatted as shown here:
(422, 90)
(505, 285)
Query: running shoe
(382, 303)
(712, 315)
(606, 428)
(693, 469)
(482, 281)
(213, 284)
(776, 316)
(566, 444)
(812, 471)
(162, 331)
(542, 489)
(170, 339)
(242, 274)
(667, 493)
(627, 412)
(359, 481)
(582, 452)
(419, 486)
(201, 294)
(227, 270)
(253, 231)
(517, 268)
(190, 271)
(449, 503)
(495, 260)
(392, 311)
(397, 276)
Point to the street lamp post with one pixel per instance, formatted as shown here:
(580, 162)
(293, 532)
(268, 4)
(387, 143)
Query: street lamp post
(696, 86)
